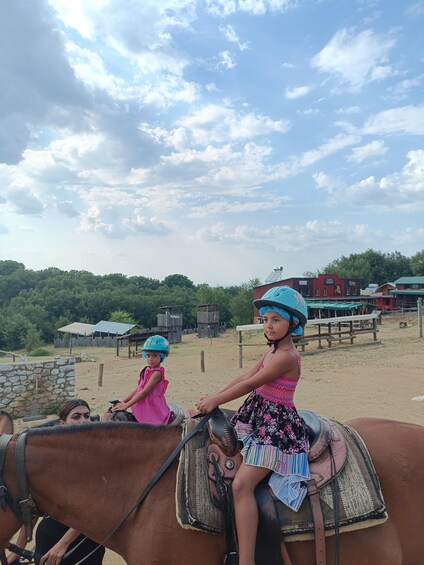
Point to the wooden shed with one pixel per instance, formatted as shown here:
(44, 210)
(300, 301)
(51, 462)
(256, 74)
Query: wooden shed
(207, 321)
(170, 322)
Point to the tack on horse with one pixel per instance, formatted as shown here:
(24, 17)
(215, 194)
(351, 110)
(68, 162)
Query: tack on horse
(119, 461)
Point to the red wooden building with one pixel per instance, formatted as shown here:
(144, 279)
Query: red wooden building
(324, 287)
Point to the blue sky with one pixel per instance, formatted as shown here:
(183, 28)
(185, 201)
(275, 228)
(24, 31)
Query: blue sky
(216, 138)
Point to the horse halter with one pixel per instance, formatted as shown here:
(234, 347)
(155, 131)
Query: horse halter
(22, 506)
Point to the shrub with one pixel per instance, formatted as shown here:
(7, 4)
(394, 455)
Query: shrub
(39, 352)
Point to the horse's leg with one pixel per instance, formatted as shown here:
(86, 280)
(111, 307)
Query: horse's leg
(9, 525)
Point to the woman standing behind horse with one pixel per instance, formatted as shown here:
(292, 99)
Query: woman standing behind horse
(274, 436)
(52, 538)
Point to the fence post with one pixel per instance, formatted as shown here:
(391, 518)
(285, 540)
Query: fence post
(202, 361)
(240, 350)
(100, 379)
(420, 317)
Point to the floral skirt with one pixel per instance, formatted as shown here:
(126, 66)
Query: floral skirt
(274, 436)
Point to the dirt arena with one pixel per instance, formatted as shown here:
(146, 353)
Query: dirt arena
(383, 379)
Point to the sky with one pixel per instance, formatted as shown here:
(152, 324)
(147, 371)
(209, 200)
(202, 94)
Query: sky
(217, 139)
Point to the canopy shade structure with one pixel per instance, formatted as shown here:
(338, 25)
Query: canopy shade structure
(339, 305)
(77, 328)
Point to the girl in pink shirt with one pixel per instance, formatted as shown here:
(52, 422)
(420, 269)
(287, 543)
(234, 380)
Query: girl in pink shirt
(147, 401)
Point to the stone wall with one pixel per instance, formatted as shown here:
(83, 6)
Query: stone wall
(29, 389)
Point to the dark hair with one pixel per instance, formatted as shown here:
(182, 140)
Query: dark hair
(68, 406)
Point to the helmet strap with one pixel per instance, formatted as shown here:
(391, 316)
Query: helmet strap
(277, 341)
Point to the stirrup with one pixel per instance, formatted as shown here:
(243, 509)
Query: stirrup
(232, 560)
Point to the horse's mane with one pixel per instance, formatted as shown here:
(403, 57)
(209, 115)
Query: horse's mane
(112, 427)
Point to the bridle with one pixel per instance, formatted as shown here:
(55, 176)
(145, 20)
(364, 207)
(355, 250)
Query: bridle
(25, 509)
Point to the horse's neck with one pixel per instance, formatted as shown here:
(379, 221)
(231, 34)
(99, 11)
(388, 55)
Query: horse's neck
(77, 477)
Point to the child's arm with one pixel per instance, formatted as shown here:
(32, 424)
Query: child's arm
(127, 398)
(155, 378)
(123, 405)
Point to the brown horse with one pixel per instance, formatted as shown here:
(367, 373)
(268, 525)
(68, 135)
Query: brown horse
(90, 476)
(6, 423)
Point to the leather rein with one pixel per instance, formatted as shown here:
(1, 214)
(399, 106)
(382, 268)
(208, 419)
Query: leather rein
(24, 507)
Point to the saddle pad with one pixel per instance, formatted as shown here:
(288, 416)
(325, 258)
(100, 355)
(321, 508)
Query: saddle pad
(361, 502)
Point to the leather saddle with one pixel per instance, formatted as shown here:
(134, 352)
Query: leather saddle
(327, 457)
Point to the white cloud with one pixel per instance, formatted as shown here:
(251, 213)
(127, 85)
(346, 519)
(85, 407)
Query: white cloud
(25, 202)
(297, 92)
(373, 149)
(231, 207)
(403, 190)
(355, 58)
(220, 124)
(254, 7)
(287, 238)
(232, 36)
(403, 88)
(299, 162)
(407, 120)
(416, 9)
(225, 60)
(349, 110)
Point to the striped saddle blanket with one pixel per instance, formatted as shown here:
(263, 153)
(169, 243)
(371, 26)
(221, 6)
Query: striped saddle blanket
(360, 499)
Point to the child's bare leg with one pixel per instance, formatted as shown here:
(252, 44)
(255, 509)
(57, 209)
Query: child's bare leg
(246, 510)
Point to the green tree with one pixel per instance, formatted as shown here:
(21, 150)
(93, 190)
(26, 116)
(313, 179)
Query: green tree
(121, 316)
(417, 264)
(371, 266)
(178, 280)
(241, 307)
(7, 267)
(20, 333)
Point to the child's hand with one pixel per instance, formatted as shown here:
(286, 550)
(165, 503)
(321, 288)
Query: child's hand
(207, 404)
(120, 406)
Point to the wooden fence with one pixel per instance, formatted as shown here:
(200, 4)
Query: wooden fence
(329, 331)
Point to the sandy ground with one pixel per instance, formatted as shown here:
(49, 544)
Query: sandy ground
(382, 379)
(366, 379)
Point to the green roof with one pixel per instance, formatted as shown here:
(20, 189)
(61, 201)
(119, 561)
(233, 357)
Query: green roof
(338, 305)
(410, 280)
(418, 291)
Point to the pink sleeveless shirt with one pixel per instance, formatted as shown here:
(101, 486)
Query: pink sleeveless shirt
(152, 409)
(280, 390)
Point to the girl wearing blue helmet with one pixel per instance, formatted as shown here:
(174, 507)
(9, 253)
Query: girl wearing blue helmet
(275, 438)
(147, 402)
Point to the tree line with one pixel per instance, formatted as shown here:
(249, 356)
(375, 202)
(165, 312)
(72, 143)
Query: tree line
(33, 304)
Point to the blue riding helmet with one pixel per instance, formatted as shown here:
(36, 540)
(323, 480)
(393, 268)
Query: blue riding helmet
(158, 344)
(286, 298)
